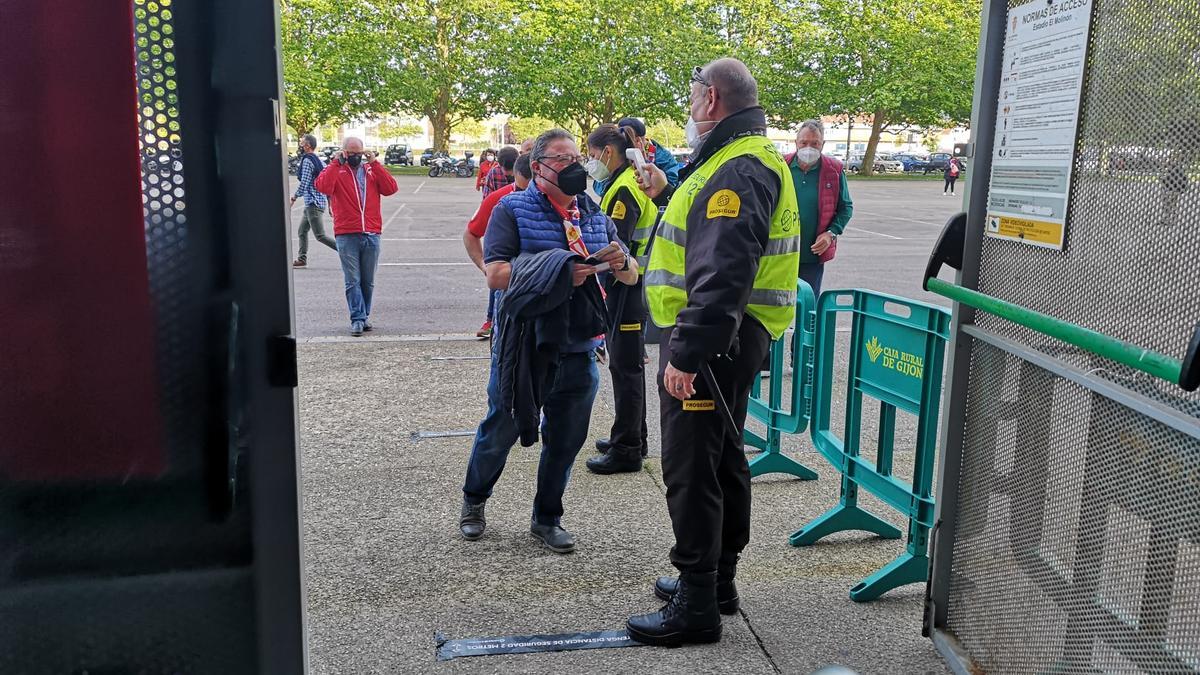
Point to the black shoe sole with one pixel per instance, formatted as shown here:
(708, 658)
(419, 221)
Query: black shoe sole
(728, 607)
(469, 537)
(695, 637)
(559, 550)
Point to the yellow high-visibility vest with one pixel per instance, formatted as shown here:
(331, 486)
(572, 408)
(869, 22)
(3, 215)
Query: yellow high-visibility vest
(773, 295)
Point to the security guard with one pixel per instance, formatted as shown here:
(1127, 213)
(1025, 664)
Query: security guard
(721, 282)
(633, 213)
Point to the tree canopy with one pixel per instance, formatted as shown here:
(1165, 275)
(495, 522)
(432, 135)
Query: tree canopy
(580, 63)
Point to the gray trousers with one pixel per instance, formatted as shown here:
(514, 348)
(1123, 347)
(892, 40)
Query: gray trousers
(313, 219)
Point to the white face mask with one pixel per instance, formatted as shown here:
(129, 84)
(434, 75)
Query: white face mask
(694, 138)
(597, 170)
(808, 156)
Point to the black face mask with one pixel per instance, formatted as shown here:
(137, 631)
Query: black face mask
(354, 160)
(572, 180)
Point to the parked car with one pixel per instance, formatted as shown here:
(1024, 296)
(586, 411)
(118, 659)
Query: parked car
(909, 161)
(881, 164)
(937, 162)
(889, 162)
(397, 154)
(327, 152)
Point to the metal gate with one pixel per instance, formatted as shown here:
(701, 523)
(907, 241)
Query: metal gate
(149, 500)
(1068, 529)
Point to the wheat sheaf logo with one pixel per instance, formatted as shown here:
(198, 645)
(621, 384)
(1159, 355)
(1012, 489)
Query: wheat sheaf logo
(874, 349)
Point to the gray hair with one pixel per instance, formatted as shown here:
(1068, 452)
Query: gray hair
(814, 126)
(734, 82)
(309, 140)
(545, 139)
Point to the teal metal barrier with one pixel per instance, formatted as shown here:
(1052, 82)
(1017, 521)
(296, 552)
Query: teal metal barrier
(897, 349)
(793, 418)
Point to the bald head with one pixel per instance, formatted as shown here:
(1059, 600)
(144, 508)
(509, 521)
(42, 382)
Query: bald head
(352, 144)
(527, 146)
(736, 87)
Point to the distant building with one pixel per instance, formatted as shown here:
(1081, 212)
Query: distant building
(843, 139)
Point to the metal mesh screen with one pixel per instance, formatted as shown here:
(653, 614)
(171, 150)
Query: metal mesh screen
(1130, 266)
(1078, 547)
(1077, 544)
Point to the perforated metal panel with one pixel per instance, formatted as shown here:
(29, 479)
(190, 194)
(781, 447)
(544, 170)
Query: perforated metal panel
(170, 258)
(1076, 547)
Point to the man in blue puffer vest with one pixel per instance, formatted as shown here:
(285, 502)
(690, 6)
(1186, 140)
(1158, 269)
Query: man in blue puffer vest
(552, 213)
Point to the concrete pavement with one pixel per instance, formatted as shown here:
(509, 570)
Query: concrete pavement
(386, 568)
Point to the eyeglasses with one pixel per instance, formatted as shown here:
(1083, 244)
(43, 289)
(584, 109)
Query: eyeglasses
(698, 77)
(565, 159)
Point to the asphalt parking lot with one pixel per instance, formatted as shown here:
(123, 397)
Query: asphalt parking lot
(426, 285)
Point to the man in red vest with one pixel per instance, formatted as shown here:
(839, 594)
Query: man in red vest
(823, 199)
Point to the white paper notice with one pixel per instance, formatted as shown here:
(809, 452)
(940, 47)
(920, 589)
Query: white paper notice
(1036, 121)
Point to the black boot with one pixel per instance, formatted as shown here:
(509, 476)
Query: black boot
(691, 616)
(617, 460)
(727, 595)
(603, 445)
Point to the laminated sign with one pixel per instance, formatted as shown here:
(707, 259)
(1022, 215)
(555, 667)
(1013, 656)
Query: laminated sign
(1037, 118)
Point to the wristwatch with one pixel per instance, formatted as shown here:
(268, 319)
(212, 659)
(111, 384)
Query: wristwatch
(832, 235)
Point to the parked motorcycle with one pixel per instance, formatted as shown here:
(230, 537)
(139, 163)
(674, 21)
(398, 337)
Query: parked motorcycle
(444, 166)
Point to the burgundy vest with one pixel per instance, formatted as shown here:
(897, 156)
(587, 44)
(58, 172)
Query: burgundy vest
(828, 192)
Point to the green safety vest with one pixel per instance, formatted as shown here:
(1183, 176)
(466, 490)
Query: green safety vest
(645, 223)
(773, 295)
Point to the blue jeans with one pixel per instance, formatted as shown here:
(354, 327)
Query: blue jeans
(565, 419)
(812, 273)
(491, 304)
(360, 258)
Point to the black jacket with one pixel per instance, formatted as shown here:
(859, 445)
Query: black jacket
(541, 312)
(723, 253)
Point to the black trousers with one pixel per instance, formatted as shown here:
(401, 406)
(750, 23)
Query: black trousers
(626, 345)
(704, 465)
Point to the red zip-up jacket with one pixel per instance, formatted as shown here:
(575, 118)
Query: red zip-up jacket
(338, 183)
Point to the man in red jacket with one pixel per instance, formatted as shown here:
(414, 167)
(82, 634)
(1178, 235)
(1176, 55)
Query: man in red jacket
(354, 181)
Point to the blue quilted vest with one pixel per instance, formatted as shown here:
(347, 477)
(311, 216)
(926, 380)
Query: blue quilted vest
(541, 228)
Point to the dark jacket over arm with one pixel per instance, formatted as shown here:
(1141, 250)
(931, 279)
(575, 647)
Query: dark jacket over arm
(722, 260)
(542, 311)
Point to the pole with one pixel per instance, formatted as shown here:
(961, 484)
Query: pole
(1145, 360)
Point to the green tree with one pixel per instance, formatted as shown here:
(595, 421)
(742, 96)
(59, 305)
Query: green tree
(776, 41)
(528, 127)
(667, 132)
(440, 61)
(471, 129)
(581, 63)
(328, 59)
(392, 129)
(907, 62)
